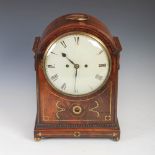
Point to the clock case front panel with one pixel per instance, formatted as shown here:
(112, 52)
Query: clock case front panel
(93, 115)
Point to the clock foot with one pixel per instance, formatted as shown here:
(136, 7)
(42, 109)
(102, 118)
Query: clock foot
(37, 139)
(116, 136)
(37, 136)
(116, 139)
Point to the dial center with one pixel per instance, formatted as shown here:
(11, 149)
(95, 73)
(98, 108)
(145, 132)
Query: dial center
(76, 66)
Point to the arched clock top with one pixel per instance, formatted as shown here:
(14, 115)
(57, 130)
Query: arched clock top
(76, 22)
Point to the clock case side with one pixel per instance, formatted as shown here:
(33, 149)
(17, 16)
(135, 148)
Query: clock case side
(88, 24)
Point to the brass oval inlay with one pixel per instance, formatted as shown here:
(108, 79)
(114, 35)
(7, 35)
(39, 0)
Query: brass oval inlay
(77, 110)
(76, 134)
(77, 17)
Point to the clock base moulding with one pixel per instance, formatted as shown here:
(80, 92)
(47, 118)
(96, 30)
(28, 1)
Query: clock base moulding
(112, 133)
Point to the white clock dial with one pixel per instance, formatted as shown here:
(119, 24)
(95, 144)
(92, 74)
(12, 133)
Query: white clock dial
(76, 64)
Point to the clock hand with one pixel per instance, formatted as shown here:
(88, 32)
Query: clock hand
(76, 66)
(64, 55)
(75, 79)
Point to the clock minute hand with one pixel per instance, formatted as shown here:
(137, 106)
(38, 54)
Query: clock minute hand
(64, 55)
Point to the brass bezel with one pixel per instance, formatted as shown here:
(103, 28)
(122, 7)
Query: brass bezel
(80, 33)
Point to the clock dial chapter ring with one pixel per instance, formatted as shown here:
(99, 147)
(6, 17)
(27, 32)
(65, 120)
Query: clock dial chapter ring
(76, 65)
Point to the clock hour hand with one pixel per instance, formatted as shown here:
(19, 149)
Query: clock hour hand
(64, 55)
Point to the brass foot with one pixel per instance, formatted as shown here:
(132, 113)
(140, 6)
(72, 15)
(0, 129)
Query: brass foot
(116, 138)
(37, 139)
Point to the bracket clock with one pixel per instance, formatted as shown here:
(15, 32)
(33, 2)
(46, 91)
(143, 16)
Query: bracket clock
(76, 64)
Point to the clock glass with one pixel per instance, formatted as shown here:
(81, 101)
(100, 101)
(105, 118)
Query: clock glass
(76, 64)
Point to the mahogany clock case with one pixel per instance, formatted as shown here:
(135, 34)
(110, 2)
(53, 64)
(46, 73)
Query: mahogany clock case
(56, 115)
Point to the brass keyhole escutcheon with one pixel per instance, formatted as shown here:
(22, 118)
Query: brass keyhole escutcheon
(77, 110)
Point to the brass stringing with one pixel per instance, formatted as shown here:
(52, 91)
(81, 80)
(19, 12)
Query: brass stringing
(59, 109)
(107, 117)
(94, 109)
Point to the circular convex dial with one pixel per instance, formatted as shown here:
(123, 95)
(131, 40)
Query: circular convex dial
(76, 64)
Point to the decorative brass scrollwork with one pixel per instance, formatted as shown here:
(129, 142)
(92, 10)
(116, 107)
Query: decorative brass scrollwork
(59, 109)
(94, 109)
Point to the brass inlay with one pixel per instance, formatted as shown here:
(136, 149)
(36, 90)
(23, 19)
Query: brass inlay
(46, 118)
(76, 134)
(94, 109)
(108, 118)
(77, 110)
(59, 109)
(110, 97)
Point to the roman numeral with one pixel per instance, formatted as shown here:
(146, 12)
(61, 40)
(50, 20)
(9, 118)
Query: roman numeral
(63, 44)
(76, 39)
(54, 77)
(100, 52)
(53, 53)
(63, 87)
(51, 66)
(98, 77)
(102, 65)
